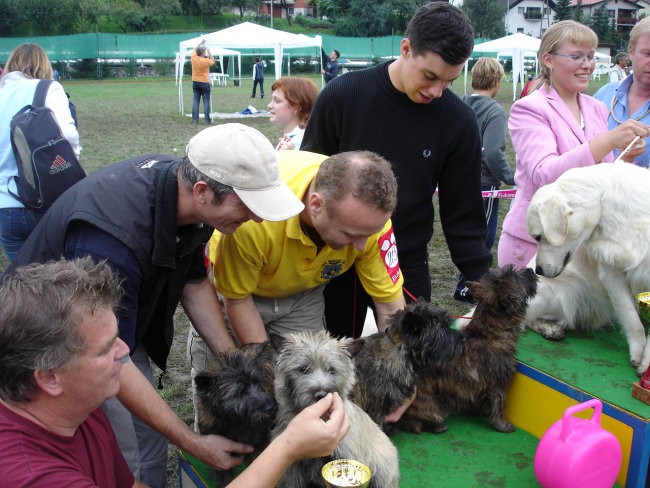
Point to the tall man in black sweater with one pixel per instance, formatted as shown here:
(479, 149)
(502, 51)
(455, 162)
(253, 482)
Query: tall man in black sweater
(403, 111)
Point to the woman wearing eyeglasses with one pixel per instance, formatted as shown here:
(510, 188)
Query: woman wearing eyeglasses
(556, 128)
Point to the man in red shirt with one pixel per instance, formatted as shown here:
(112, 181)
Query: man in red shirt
(60, 358)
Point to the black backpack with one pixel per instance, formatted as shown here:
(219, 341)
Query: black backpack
(47, 164)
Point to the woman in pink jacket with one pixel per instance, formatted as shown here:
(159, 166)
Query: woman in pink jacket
(556, 128)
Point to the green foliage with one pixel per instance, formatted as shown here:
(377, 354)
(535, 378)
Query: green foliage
(244, 5)
(368, 18)
(486, 17)
(49, 17)
(10, 16)
(312, 23)
(562, 10)
(577, 14)
(599, 22)
(84, 69)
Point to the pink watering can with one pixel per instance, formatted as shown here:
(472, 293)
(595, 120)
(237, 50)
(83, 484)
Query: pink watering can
(578, 453)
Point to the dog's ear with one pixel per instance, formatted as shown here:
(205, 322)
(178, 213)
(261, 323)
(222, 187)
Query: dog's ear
(277, 341)
(552, 213)
(354, 347)
(477, 289)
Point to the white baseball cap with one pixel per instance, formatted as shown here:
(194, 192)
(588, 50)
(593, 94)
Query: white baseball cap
(242, 157)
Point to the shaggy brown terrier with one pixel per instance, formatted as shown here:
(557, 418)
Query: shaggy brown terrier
(388, 363)
(238, 401)
(478, 363)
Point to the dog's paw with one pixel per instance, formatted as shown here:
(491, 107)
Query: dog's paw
(640, 368)
(503, 426)
(549, 330)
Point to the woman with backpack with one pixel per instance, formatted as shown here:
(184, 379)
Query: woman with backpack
(26, 66)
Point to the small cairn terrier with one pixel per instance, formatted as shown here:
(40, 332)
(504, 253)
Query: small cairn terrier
(238, 401)
(389, 363)
(310, 365)
(474, 366)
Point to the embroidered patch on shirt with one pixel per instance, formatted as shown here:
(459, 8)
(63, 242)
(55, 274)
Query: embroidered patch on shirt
(331, 269)
(388, 250)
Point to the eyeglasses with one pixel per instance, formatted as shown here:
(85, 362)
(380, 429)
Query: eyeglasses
(578, 59)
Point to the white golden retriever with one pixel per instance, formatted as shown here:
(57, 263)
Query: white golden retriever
(592, 228)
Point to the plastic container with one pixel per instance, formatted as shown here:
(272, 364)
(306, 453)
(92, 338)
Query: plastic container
(578, 453)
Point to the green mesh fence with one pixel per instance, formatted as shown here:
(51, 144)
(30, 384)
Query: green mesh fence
(140, 46)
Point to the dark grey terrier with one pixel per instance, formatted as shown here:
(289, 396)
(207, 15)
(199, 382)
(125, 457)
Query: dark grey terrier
(310, 365)
(389, 363)
(475, 365)
(238, 401)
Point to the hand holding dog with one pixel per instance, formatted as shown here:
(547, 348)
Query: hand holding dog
(220, 452)
(396, 414)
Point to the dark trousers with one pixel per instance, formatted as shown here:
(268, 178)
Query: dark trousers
(346, 302)
(201, 90)
(491, 207)
(261, 83)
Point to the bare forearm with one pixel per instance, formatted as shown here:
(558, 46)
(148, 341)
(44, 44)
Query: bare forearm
(142, 400)
(385, 310)
(245, 320)
(267, 469)
(204, 311)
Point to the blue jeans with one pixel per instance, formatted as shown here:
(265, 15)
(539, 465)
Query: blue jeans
(201, 90)
(491, 206)
(15, 226)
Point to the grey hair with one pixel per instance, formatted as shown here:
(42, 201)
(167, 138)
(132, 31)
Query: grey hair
(41, 309)
(190, 176)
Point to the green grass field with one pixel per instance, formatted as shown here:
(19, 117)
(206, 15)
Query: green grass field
(123, 118)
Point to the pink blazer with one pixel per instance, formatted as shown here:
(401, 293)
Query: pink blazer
(547, 141)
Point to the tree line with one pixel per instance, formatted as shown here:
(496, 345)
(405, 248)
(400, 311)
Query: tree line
(362, 18)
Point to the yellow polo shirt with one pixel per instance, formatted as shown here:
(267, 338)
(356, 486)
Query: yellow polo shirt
(277, 259)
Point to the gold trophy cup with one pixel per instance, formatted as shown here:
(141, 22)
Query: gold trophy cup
(346, 473)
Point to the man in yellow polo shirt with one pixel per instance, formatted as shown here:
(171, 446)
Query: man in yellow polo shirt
(201, 59)
(272, 274)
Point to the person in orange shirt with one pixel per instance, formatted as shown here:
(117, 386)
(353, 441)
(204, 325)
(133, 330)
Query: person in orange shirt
(201, 61)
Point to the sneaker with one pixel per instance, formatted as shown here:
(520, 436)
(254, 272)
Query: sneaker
(261, 96)
(464, 296)
(252, 96)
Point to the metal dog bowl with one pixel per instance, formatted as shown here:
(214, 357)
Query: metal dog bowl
(344, 473)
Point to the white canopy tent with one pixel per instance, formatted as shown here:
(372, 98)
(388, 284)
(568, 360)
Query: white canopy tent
(516, 46)
(252, 36)
(185, 54)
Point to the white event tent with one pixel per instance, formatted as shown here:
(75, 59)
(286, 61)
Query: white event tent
(247, 36)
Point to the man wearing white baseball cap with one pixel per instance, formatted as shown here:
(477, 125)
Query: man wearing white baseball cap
(149, 218)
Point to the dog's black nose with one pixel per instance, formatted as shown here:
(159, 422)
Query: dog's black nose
(320, 394)
(539, 271)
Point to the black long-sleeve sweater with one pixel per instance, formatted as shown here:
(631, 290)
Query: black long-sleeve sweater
(428, 145)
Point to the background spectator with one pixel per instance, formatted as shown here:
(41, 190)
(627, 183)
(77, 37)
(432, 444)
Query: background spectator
(201, 61)
(291, 103)
(26, 65)
(258, 77)
(486, 81)
(332, 68)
